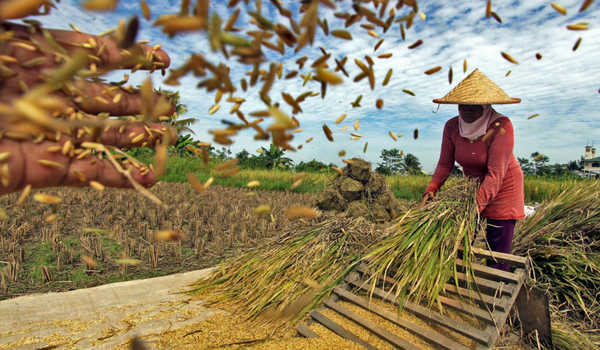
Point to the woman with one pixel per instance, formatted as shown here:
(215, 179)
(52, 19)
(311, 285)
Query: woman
(481, 140)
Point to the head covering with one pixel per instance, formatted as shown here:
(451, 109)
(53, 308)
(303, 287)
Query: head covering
(478, 128)
(476, 89)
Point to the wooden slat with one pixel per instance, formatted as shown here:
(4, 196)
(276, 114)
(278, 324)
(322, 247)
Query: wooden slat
(482, 299)
(491, 273)
(487, 286)
(339, 330)
(371, 326)
(510, 302)
(510, 259)
(306, 332)
(426, 334)
(466, 330)
(481, 314)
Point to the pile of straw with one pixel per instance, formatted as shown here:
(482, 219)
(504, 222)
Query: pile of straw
(563, 240)
(287, 277)
(421, 251)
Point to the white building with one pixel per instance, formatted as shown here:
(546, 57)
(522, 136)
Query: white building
(591, 163)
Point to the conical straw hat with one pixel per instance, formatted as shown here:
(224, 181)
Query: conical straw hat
(476, 89)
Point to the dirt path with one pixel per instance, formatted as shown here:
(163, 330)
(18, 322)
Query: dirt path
(102, 317)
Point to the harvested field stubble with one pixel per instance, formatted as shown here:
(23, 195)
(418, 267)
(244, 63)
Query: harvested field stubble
(115, 224)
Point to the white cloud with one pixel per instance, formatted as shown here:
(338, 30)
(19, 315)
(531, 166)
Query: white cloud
(562, 87)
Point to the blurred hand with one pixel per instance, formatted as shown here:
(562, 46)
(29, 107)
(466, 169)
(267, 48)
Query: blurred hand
(428, 196)
(26, 57)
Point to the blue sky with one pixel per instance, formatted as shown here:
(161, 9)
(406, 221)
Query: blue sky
(562, 87)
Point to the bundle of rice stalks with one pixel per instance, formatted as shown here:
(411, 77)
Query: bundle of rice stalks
(563, 240)
(420, 254)
(286, 278)
(567, 337)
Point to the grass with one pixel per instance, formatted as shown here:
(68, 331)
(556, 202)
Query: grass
(537, 189)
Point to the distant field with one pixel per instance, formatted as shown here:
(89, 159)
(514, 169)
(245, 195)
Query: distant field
(405, 187)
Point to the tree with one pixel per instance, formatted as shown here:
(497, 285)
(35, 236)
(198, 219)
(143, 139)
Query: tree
(274, 156)
(391, 162)
(223, 154)
(539, 162)
(411, 164)
(313, 165)
(180, 146)
(526, 166)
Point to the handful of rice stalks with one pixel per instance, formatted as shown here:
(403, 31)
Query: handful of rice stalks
(286, 278)
(563, 240)
(421, 251)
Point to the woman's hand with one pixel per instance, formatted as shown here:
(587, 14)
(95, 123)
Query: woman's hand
(428, 196)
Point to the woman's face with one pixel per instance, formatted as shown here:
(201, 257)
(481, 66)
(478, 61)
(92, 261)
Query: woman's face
(470, 113)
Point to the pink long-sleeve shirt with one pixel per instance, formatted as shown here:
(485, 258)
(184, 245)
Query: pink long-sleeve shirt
(500, 194)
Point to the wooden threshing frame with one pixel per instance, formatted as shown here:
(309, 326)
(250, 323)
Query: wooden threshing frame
(498, 292)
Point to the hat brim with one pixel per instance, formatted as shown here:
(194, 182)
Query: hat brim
(502, 102)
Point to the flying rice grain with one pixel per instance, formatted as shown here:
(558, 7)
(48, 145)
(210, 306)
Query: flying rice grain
(488, 9)
(388, 76)
(89, 261)
(341, 153)
(538, 56)
(345, 128)
(378, 45)
(356, 124)
(533, 116)
(195, 183)
(433, 70)
(576, 44)
(296, 183)
(415, 44)
(385, 55)
(297, 211)
(253, 183)
(508, 73)
(51, 163)
(487, 135)
(337, 170)
(342, 34)
(416, 134)
(509, 58)
(585, 5)
(578, 26)
(168, 236)
(393, 136)
(128, 261)
(23, 196)
(379, 103)
(97, 186)
(355, 135)
(373, 34)
(46, 198)
(450, 76)
(327, 132)
(213, 109)
(226, 165)
(328, 76)
(4, 156)
(337, 121)
(496, 17)
(559, 8)
(262, 210)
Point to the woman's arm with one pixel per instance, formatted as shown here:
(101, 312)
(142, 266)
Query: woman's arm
(445, 163)
(499, 155)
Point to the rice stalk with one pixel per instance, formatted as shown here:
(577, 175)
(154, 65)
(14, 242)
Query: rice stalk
(563, 240)
(421, 251)
(287, 277)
